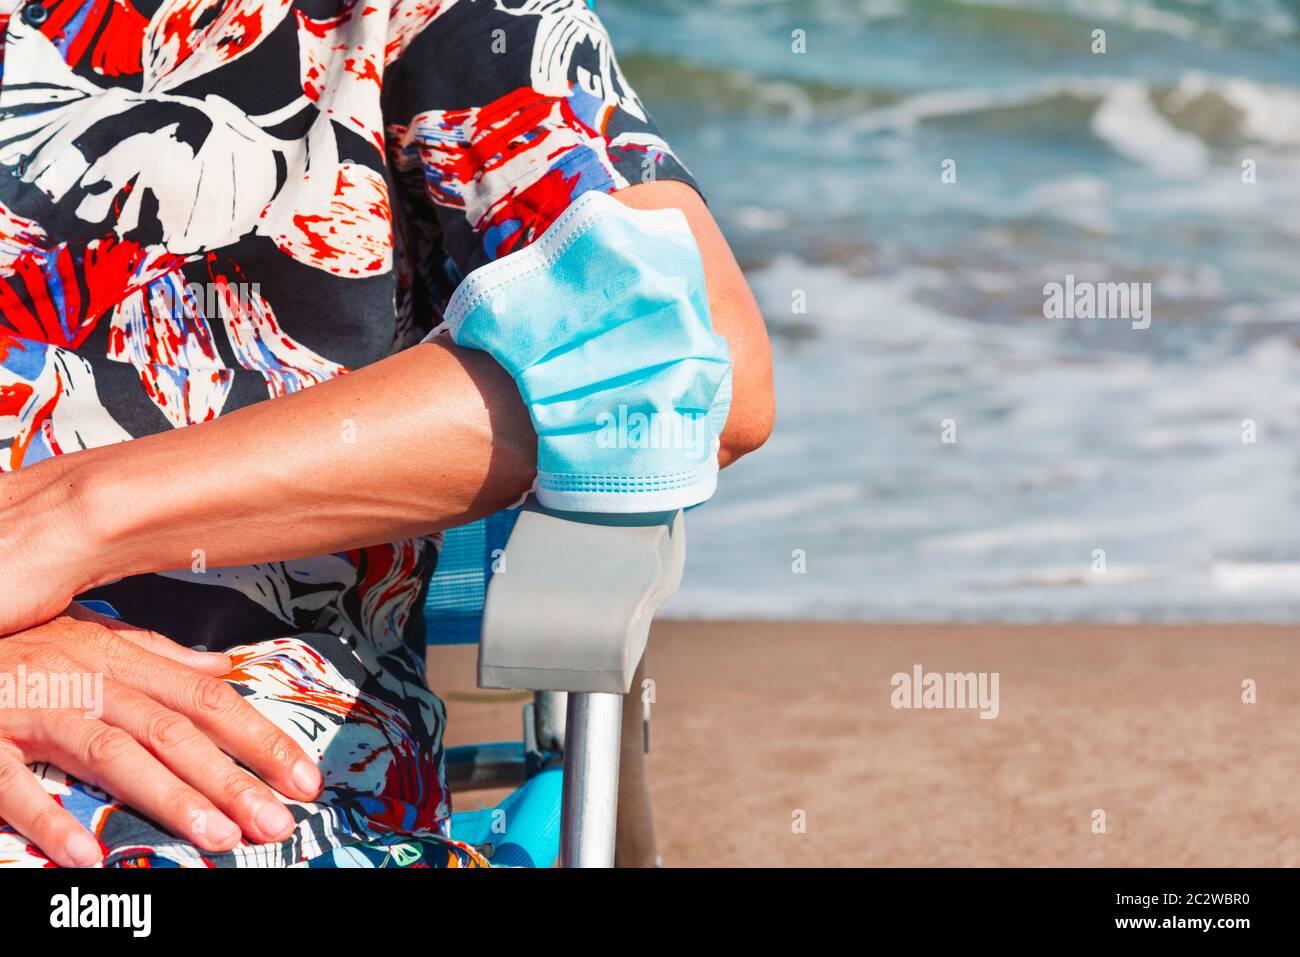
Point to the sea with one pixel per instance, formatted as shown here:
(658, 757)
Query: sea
(901, 182)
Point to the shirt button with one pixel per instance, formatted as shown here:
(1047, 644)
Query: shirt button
(35, 14)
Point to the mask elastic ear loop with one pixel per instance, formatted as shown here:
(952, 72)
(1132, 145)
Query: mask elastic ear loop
(523, 498)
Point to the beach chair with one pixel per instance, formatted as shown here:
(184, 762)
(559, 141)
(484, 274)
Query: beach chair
(560, 604)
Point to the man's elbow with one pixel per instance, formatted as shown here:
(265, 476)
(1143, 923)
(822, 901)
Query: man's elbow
(745, 434)
(753, 408)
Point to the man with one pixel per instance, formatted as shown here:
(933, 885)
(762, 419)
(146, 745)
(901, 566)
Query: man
(207, 203)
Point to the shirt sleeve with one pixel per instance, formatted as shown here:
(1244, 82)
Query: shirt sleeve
(500, 113)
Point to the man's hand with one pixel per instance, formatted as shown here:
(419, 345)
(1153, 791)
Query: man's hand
(157, 747)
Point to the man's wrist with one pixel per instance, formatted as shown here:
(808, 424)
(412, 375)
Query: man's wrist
(49, 550)
(104, 502)
(59, 529)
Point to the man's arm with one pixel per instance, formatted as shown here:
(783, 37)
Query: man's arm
(430, 438)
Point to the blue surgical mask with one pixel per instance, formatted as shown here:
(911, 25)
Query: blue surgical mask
(603, 322)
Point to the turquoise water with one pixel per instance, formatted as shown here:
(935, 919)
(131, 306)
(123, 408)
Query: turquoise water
(925, 301)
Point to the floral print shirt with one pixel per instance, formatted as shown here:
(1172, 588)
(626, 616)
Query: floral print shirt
(207, 203)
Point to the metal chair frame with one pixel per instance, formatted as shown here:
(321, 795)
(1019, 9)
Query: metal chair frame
(568, 617)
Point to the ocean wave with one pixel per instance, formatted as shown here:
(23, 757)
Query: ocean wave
(1086, 484)
(1128, 121)
(1146, 120)
(1242, 577)
(1169, 126)
(1203, 20)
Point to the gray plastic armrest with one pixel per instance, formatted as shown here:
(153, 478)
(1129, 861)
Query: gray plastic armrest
(570, 607)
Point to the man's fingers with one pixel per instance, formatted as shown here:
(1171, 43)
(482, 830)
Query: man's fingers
(224, 716)
(26, 807)
(211, 663)
(187, 751)
(112, 760)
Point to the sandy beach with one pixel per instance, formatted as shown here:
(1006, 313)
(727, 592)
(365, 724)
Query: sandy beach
(757, 722)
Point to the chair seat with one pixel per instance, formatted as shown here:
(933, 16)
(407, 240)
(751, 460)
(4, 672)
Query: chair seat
(531, 817)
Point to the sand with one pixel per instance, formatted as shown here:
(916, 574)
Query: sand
(757, 725)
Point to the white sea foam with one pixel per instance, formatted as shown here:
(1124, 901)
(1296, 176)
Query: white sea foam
(1269, 113)
(1240, 577)
(1132, 115)
(1129, 123)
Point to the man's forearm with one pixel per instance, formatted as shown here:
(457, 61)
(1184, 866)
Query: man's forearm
(429, 438)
